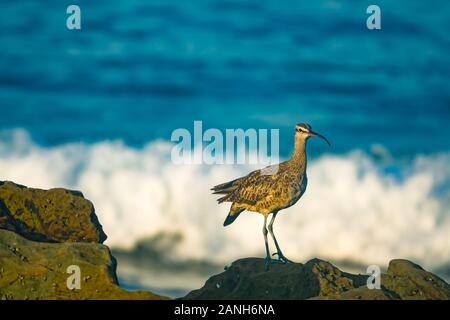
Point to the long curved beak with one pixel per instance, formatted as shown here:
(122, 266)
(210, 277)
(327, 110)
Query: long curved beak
(314, 134)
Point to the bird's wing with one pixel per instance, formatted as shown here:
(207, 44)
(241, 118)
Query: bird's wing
(226, 187)
(250, 189)
(253, 188)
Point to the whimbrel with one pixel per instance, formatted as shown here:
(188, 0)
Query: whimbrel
(266, 193)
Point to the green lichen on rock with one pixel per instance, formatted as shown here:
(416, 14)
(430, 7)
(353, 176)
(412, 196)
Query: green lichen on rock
(38, 270)
(42, 233)
(56, 215)
(409, 281)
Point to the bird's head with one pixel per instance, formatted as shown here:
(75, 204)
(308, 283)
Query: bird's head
(304, 131)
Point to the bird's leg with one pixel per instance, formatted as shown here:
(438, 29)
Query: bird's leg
(281, 257)
(268, 259)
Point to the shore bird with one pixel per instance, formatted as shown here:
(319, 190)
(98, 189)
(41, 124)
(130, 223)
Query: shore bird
(269, 190)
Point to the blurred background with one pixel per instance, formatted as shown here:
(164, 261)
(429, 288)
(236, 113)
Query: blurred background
(93, 109)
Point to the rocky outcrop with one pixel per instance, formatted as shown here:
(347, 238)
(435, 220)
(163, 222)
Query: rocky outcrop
(39, 270)
(317, 279)
(407, 280)
(56, 215)
(43, 236)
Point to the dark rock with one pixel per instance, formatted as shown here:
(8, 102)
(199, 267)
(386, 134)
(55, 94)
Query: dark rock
(56, 215)
(247, 279)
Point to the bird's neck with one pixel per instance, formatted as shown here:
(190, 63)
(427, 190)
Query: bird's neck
(299, 154)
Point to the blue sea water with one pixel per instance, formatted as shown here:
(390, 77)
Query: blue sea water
(139, 69)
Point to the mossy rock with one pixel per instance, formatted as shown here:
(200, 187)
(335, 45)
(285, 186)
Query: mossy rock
(39, 270)
(409, 281)
(56, 215)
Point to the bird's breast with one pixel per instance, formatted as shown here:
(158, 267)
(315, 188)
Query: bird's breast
(299, 190)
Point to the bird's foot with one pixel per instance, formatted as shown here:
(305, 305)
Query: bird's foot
(269, 261)
(282, 258)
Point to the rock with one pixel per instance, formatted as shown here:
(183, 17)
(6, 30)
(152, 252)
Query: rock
(56, 215)
(361, 293)
(318, 279)
(247, 279)
(407, 280)
(38, 270)
(42, 234)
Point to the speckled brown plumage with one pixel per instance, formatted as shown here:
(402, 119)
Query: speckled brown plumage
(271, 189)
(265, 193)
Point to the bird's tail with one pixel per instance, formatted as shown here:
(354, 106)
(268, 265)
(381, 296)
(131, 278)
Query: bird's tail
(225, 188)
(232, 216)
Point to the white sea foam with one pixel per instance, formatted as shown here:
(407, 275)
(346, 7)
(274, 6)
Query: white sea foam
(353, 209)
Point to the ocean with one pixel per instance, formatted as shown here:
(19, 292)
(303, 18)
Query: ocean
(94, 110)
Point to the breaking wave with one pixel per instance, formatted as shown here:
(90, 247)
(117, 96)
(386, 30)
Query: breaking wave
(362, 207)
